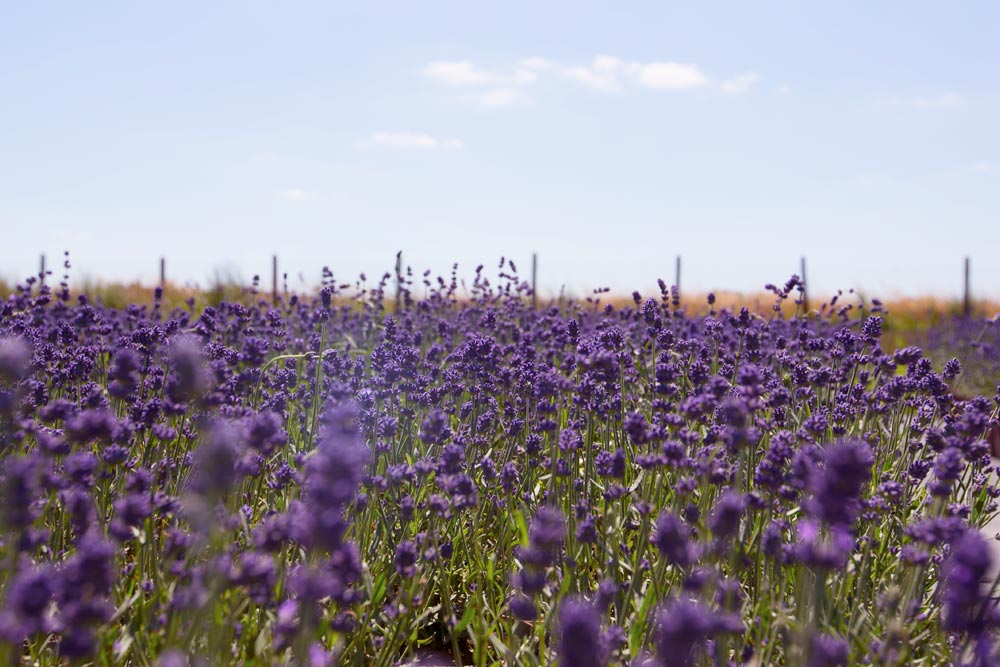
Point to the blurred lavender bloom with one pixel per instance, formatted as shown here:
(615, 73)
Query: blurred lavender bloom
(725, 519)
(836, 489)
(673, 540)
(406, 559)
(15, 359)
(967, 610)
(827, 651)
(189, 377)
(579, 631)
(682, 630)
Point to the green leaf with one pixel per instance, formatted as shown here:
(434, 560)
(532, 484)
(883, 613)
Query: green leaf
(123, 607)
(378, 589)
(638, 480)
(262, 641)
(636, 636)
(466, 619)
(123, 646)
(522, 526)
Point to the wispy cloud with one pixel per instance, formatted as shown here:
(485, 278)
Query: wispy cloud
(457, 73)
(669, 75)
(465, 73)
(413, 140)
(601, 75)
(741, 84)
(604, 73)
(944, 100)
(981, 166)
(499, 97)
(298, 194)
(610, 74)
(940, 101)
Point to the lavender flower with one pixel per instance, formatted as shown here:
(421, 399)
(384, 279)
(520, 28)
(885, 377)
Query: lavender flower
(725, 520)
(673, 540)
(682, 630)
(827, 651)
(579, 634)
(333, 473)
(15, 358)
(189, 379)
(967, 610)
(836, 489)
(27, 605)
(545, 535)
(315, 468)
(406, 559)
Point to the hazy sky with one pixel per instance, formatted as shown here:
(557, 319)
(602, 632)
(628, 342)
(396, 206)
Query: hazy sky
(607, 136)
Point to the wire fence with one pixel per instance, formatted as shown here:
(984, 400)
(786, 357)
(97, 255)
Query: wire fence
(967, 302)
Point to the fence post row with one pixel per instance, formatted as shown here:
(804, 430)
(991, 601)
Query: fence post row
(966, 287)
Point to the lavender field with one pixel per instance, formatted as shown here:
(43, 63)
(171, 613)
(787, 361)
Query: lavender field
(463, 478)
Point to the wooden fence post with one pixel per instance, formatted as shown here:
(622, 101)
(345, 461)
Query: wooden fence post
(677, 276)
(805, 287)
(274, 279)
(399, 280)
(534, 280)
(966, 296)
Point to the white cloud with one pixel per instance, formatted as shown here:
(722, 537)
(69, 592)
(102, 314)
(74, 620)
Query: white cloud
(499, 97)
(671, 75)
(523, 76)
(981, 166)
(457, 73)
(603, 81)
(740, 84)
(413, 140)
(604, 73)
(297, 194)
(944, 100)
(947, 100)
(465, 73)
(605, 63)
(536, 63)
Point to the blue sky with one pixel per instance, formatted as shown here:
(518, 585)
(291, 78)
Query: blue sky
(608, 137)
